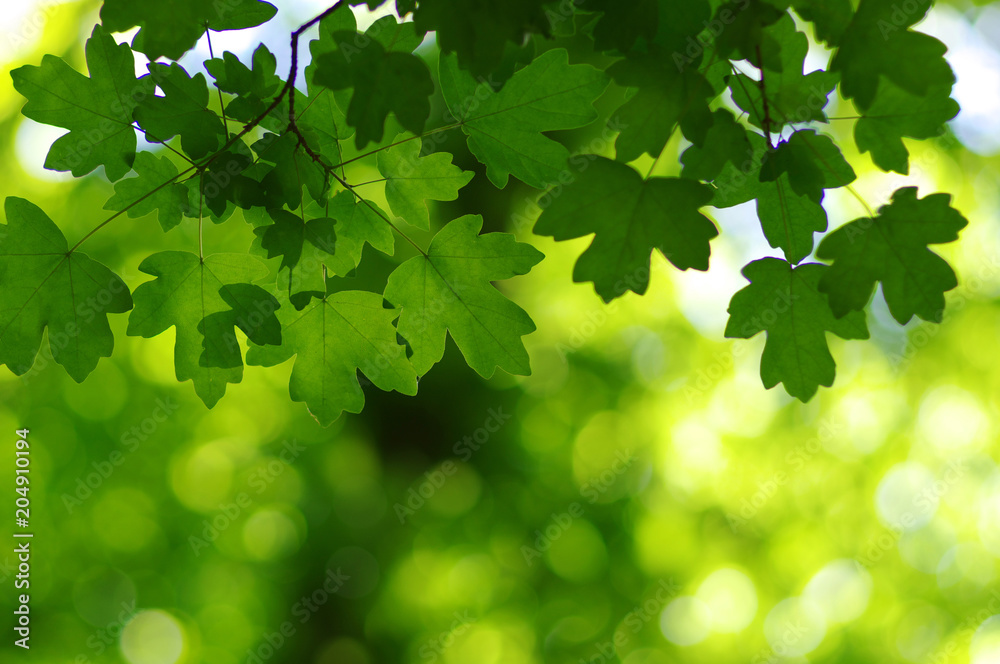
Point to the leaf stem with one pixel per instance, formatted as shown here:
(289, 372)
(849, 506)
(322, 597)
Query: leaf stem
(222, 105)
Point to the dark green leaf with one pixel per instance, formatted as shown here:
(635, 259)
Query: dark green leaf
(478, 31)
(897, 113)
(892, 249)
(726, 142)
(665, 97)
(182, 110)
(812, 161)
(171, 28)
(879, 44)
(630, 217)
(383, 80)
(784, 302)
(791, 96)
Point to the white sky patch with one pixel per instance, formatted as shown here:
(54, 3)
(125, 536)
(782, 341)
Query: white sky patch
(974, 54)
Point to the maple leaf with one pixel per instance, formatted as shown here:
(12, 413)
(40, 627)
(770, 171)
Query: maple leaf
(784, 301)
(449, 290)
(629, 217)
(412, 179)
(184, 293)
(153, 190)
(43, 284)
(892, 249)
(332, 338)
(171, 28)
(505, 128)
(97, 110)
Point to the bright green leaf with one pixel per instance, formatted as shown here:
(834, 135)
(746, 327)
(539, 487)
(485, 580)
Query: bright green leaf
(96, 110)
(412, 179)
(185, 292)
(154, 190)
(505, 128)
(45, 285)
(449, 290)
(333, 338)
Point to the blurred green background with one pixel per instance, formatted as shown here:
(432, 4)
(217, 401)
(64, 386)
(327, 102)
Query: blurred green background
(640, 498)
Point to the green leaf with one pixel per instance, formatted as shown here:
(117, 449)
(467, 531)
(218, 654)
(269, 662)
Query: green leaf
(290, 237)
(359, 222)
(96, 110)
(412, 179)
(384, 80)
(666, 96)
(225, 181)
(449, 290)
(789, 220)
(892, 249)
(879, 44)
(621, 24)
(897, 113)
(742, 34)
(792, 97)
(45, 285)
(253, 87)
(183, 109)
(505, 128)
(725, 142)
(184, 293)
(333, 338)
(252, 311)
(629, 217)
(293, 168)
(477, 31)
(154, 190)
(784, 302)
(171, 28)
(680, 24)
(811, 161)
(830, 18)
